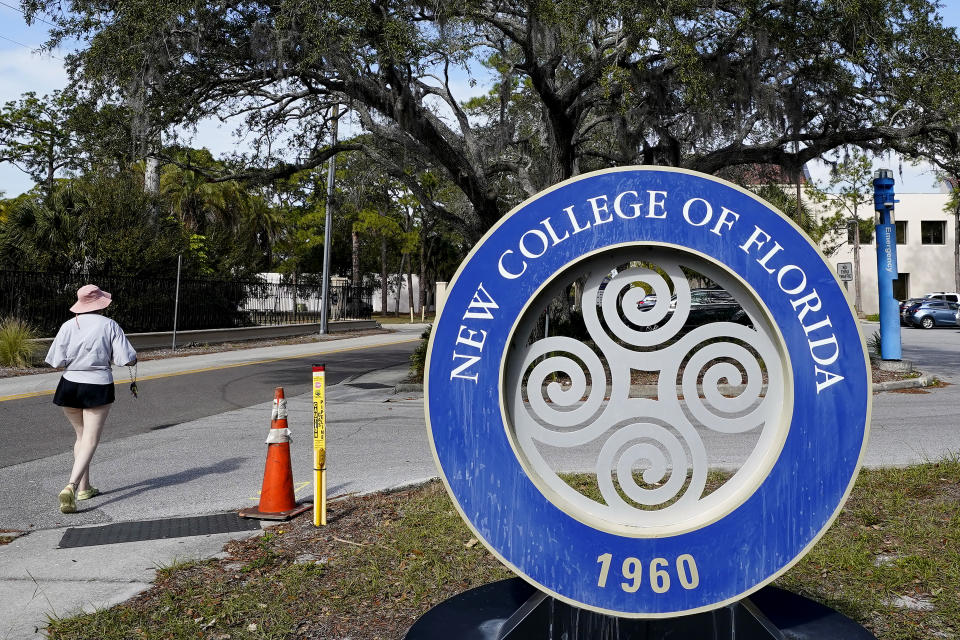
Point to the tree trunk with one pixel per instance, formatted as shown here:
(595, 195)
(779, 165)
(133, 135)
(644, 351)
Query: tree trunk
(50, 165)
(396, 300)
(799, 203)
(423, 277)
(578, 295)
(355, 258)
(383, 274)
(410, 285)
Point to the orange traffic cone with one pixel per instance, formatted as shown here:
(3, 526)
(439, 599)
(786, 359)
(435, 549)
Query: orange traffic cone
(277, 500)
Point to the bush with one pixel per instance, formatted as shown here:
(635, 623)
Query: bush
(873, 345)
(16, 346)
(418, 359)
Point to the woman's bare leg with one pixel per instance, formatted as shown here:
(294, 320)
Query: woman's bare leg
(75, 416)
(87, 441)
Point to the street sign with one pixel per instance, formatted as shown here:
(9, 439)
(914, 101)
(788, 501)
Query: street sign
(504, 402)
(845, 271)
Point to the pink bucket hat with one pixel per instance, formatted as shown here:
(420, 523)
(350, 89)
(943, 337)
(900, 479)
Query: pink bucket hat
(90, 298)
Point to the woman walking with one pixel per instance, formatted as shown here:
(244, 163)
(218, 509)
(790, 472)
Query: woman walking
(86, 345)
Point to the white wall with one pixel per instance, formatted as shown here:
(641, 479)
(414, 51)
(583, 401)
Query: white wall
(404, 301)
(930, 266)
(286, 304)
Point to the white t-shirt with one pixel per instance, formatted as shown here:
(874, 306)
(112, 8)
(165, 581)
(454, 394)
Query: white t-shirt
(86, 344)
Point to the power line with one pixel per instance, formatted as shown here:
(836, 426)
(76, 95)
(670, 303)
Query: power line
(18, 9)
(25, 46)
(14, 41)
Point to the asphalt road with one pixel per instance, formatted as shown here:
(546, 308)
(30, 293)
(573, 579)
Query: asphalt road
(34, 428)
(934, 351)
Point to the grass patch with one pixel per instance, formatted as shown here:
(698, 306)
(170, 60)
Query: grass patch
(9, 535)
(16, 346)
(165, 571)
(387, 558)
(403, 318)
(898, 535)
(586, 485)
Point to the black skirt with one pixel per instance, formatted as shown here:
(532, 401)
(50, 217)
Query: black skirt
(80, 395)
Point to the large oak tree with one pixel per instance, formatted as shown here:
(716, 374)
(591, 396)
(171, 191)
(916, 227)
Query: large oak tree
(579, 84)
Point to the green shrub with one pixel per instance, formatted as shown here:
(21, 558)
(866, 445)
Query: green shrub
(873, 344)
(16, 346)
(418, 359)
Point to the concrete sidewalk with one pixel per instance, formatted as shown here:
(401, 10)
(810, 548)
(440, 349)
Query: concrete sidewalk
(375, 440)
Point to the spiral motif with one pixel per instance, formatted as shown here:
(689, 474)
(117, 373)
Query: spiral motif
(569, 407)
(597, 417)
(620, 302)
(744, 411)
(665, 456)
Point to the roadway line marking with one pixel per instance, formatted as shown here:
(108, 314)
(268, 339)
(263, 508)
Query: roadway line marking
(49, 392)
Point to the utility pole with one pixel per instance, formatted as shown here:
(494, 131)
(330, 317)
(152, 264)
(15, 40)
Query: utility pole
(328, 227)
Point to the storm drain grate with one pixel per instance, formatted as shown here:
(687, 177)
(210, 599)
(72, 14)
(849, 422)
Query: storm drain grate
(156, 530)
(370, 385)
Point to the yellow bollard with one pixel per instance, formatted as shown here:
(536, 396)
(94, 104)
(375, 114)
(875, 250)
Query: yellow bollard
(319, 446)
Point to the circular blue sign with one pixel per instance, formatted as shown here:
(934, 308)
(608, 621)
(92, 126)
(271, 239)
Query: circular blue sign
(786, 368)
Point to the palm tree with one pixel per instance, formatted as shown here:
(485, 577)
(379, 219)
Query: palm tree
(196, 202)
(48, 234)
(261, 223)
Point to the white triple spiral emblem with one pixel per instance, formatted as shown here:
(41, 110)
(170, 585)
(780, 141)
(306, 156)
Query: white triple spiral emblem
(571, 402)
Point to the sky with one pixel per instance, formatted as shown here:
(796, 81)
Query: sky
(22, 70)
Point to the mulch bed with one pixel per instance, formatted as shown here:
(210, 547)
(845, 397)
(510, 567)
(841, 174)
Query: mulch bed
(367, 575)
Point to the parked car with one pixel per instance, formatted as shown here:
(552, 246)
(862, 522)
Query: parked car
(906, 304)
(949, 296)
(933, 313)
(706, 305)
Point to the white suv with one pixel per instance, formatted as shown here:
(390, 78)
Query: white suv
(949, 296)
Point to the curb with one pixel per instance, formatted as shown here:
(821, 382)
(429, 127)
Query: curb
(912, 383)
(650, 391)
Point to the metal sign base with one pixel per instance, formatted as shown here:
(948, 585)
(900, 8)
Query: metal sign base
(514, 610)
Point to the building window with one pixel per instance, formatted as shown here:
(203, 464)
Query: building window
(866, 231)
(932, 232)
(901, 232)
(901, 286)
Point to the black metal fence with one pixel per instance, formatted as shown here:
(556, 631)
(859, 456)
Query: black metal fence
(141, 305)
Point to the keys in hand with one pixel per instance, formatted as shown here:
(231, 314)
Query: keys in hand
(133, 388)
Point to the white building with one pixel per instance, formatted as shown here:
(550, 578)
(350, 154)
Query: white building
(925, 250)
(402, 296)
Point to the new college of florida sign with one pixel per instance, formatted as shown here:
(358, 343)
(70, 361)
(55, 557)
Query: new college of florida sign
(510, 408)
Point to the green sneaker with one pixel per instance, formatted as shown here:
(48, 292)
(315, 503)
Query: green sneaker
(86, 494)
(68, 499)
